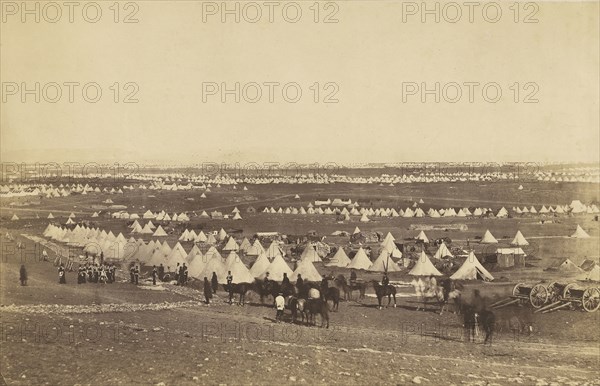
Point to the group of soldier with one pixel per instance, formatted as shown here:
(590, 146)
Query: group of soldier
(96, 273)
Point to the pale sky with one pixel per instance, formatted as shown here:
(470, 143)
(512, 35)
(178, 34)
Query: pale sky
(369, 54)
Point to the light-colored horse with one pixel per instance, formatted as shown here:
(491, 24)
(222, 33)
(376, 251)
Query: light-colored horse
(427, 293)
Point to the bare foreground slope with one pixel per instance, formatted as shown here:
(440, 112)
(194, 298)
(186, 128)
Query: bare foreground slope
(122, 334)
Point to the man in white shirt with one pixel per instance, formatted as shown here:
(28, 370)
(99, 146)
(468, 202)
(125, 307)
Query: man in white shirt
(280, 306)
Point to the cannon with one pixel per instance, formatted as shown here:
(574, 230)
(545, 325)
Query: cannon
(537, 295)
(572, 295)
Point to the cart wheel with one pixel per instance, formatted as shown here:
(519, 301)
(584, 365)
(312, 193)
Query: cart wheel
(567, 291)
(590, 301)
(538, 296)
(517, 289)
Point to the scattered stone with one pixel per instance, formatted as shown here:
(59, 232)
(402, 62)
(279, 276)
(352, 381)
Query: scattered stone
(344, 349)
(292, 378)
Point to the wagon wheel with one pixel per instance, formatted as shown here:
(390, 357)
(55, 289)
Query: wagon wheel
(567, 291)
(554, 292)
(538, 296)
(590, 301)
(516, 289)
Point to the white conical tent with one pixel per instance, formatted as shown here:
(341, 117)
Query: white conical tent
(221, 235)
(442, 252)
(245, 244)
(591, 275)
(580, 233)
(231, 245)
(277, 268)
(159, 232)
(230, 259)
(274, 250)
(195, 251)
(260, 265)
(308, 272)
(196, 265)
(423, 237)
(214, 264)
(488, 238)
(184, 236)
(340, 259)
(310, 254)
(146, 230)
(237, 216)
(239, 272)
(384, 263)
(424, 267)
(201, 237)
(255, 249)
(472, 270)
(568, 266)
(159, 256)
(519, 239)
(211, 239)
(360, 260)
(50, 215)
(364, 218)
(14, 217)
(177, 255)
(356, 230)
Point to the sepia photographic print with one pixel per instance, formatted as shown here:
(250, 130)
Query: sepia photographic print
(310, 192)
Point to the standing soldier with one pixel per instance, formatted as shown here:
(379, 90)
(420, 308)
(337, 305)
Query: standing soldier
(45, 255)
(286, 280)
(352, 276)
(178, 274)
(61, 275)
(112, 268)
(23, 275)
(132, 274)
(136, 273)
(207, 290)
(185, 274)
(300, 285)
(154, 274)
(230, 286)
(214, 282)
(103, 276)
(90, 274)
(280, 306)
(161, 271)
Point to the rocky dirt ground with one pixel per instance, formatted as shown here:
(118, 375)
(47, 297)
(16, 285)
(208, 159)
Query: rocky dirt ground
(123, 334)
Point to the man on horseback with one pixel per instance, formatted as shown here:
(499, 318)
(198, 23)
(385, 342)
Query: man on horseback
(385, 281)
(352, 276)
(299, 283)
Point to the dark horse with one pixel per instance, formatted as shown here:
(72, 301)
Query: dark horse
(317, 306)
(240, 289)
(333, 294)
(382, 291)
(271, 288)
(473, 319)
(348, 288)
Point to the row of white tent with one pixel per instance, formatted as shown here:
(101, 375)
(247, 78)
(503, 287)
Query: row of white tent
(155, 253)
(434, 213)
